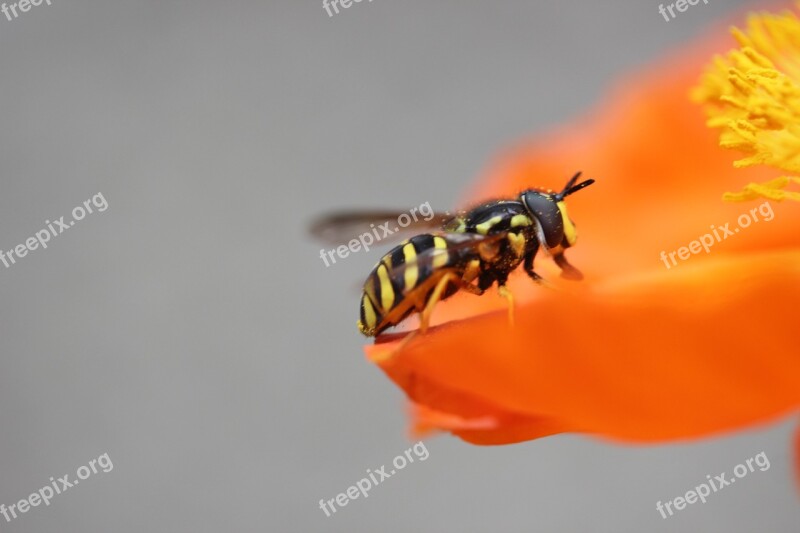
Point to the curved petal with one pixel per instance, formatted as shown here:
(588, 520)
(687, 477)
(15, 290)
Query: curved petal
(660, 356)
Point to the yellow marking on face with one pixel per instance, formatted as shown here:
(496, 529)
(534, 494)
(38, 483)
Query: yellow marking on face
(369, 313)
(569, 228)
(484, 227)
(387, 291)
(441, 255)
(520, 220)
(412, 271)
(517, 242)
(472, 270)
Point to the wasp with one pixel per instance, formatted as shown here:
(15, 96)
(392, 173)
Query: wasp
(470, 252)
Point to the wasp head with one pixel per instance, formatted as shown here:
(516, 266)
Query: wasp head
(548, 210)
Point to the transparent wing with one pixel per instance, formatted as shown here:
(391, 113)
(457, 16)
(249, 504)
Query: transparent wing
(341, 227)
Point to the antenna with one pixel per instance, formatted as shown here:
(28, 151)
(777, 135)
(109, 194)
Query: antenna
(571, 188)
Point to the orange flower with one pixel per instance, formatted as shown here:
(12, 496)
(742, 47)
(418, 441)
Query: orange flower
(642, 350)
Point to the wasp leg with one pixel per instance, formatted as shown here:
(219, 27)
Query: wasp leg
(472, 272)
(425, 311)
(567, 271)
(433, 299)
(504, 292)
(529, 257)
(533, 275)
(472, 289)
(486, 280)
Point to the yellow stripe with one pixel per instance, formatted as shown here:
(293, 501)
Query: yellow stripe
(369, 286)
(484, 227)
(369, 312)
(387, 291)
(520, 220)
(569, 228)
(412, 272)
(441, 254)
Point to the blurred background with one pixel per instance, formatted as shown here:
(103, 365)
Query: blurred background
(191, 330)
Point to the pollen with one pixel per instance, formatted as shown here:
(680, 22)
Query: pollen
(752, 95)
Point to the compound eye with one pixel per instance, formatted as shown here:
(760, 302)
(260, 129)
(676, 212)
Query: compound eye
(545, 209)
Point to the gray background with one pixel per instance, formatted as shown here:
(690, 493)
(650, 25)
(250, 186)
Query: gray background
(191, 330)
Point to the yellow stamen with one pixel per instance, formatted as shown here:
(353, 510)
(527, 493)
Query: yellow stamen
(753, 95)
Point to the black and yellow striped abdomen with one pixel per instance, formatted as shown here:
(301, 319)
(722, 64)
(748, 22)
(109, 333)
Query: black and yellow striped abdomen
(402, 281)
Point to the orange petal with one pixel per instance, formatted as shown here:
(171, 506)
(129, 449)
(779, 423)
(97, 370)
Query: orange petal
(664, 355)
(485, 430)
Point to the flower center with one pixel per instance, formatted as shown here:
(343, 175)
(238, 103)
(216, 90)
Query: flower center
(753, 96)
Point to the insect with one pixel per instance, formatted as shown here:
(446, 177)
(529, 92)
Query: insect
(469, 252)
